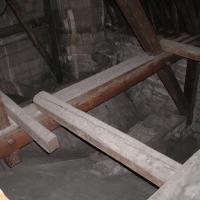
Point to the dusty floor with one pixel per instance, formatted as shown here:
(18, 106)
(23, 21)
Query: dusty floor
(71, 179)
(79, 173)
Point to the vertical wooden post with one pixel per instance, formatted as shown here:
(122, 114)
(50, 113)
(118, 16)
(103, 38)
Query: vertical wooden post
(4, 121)
(191, 84)
(140, 24)
(171, 84)
(143, 29)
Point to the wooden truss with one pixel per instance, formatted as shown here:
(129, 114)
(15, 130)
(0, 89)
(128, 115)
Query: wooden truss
(68, 107)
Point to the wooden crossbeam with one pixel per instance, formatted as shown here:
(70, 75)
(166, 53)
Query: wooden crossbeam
(147, 162)
(93, 91)
(181, 49)
(184, 184)
(46, 139)
(135, 15)
(172, 86)
(137, 19)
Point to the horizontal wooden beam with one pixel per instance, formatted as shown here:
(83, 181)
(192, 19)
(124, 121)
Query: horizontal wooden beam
(145, 161)
(181, 49)
(93, 91)
(184, 184)
(46, 139)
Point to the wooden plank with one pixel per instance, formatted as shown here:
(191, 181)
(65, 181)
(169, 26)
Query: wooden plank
(46, 139)
(136, 17)
(147, 162)
(185, 184)
(4, 121)
(181, 49)
(190, 89)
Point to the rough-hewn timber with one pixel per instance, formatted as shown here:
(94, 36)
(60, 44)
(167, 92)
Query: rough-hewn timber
(147, 162)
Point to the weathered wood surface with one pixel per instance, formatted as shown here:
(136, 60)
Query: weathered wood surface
(184, 185)
(93, 91)
(46, 139)
(147, 162)
(4, 121)
(181, 49)
(137, 19)
(135, 15)
(190, 89)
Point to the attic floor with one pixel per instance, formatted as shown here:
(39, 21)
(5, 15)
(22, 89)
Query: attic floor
(42, 177)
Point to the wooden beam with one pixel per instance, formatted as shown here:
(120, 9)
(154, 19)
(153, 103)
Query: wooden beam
(46, 139)
(190, 89)
(145, 161)
(172, 86)
(137, 19)
(4, 121)
(93, 91)
(184, 184)
(181, 49)
(140, 24)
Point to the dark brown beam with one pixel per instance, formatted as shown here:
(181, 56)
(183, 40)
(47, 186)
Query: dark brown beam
(191, 84)
(140, 24)
(50, 62)
(51, 16)
(180, 49)
(137, 19)
(171, 84)
(4, 121)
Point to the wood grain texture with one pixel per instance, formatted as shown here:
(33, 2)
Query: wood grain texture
(46, 139)
(92, 91)
(145, 161)
(136, 17)
(181, 49)
(184, 185)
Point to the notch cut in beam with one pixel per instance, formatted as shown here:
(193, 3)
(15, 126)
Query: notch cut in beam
(46, 139)
(145, 161)
(184, 184)
(181, 49)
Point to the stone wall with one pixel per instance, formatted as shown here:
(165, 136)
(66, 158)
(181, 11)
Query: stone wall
(22, 69)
